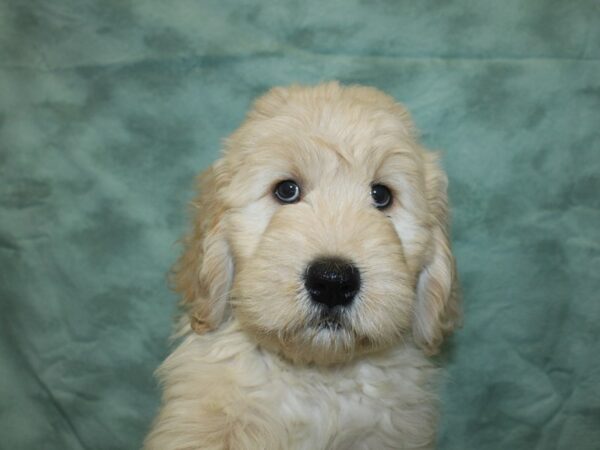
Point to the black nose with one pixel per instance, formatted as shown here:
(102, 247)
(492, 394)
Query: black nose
(332, 282)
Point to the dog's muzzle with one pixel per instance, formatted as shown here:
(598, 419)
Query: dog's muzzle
(332, 282)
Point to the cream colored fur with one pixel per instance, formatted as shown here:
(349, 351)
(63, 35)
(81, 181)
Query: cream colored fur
(253, 370)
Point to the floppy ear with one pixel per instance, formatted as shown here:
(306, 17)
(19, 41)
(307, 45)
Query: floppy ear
(437, 311)
(204, 272)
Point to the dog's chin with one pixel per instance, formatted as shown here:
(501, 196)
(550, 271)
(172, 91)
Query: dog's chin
(329, 343)
(325, 341)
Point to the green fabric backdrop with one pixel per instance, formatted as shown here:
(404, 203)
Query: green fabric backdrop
(109, 108)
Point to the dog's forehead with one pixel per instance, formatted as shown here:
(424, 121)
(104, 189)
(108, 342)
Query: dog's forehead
(317, 141)
(320, 158)
(328, 136)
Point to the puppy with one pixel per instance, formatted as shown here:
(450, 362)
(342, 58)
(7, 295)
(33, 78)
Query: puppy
(317, 279)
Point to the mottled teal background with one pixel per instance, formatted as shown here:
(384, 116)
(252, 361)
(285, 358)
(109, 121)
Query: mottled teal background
(109, 108)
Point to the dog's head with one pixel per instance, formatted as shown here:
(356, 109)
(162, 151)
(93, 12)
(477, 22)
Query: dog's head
(323, 229)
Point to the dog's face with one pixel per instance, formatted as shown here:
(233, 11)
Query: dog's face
(322, 230)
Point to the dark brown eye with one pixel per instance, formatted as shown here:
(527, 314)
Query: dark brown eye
(287, 191)
(382, 197)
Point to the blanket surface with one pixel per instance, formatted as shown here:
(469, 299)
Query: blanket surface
(109, 108)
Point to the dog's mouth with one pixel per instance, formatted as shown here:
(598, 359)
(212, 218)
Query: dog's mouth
(332, 320)
(331, 325)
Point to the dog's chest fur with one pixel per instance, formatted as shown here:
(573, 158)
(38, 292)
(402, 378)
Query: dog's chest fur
(223, 391)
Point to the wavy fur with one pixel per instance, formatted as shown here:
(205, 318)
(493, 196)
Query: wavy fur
(254, 370)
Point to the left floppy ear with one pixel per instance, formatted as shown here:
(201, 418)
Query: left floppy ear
(204, 272)
(437, 310)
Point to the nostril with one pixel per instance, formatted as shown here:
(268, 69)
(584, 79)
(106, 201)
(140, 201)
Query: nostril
(349, 288)
(332, 281)
(351, 280)
(316, 287)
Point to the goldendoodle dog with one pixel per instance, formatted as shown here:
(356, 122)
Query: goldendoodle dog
(316, 281)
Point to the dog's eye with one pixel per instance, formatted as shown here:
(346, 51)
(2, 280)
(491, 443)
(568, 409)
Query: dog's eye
(382, 197)
(287, 191)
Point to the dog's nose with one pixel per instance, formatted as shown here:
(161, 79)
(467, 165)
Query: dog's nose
(332, 282)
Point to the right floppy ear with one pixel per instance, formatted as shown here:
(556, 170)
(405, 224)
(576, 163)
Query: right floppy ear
(437, 311)
(204, 272)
